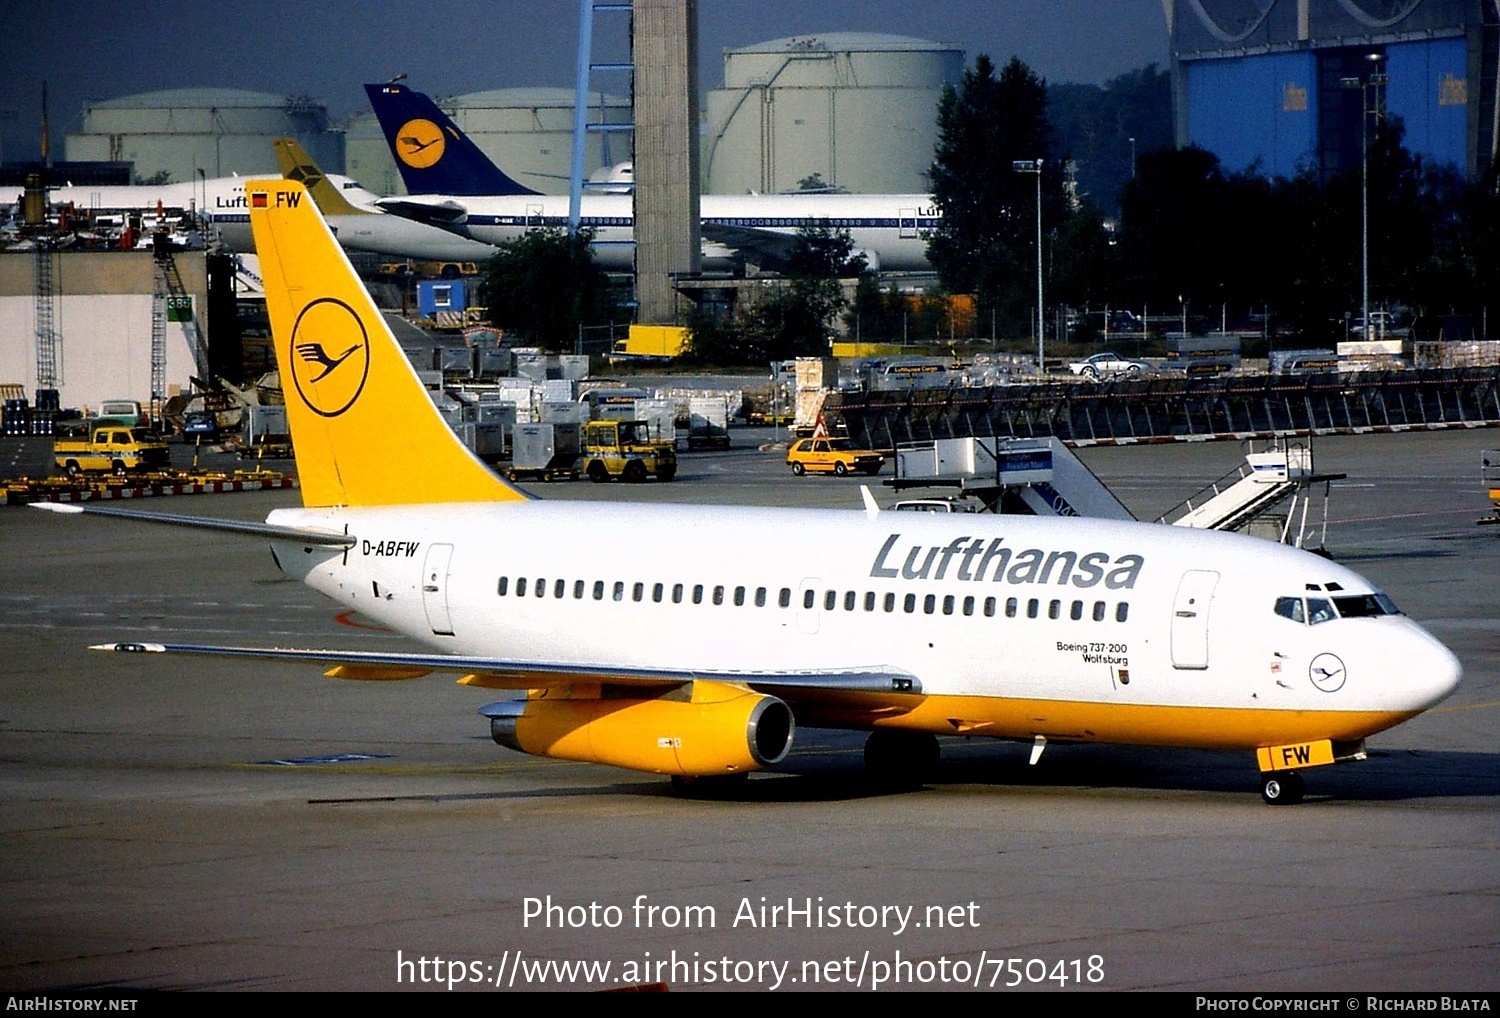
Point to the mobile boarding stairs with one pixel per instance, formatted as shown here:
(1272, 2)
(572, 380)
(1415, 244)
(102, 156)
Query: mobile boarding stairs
(1268, 495)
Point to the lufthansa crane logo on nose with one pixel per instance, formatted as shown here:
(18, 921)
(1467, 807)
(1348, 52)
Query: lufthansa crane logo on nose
(330, 356)
(1327, 673)
(420, 143)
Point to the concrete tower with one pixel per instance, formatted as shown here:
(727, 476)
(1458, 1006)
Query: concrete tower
(667, 233)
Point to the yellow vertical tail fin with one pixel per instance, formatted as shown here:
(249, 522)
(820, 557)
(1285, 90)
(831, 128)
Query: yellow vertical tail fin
(365, 430)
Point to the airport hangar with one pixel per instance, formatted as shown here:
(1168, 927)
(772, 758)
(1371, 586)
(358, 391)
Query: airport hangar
(1278, 85)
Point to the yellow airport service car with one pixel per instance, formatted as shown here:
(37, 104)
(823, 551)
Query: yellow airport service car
(831, 455)
(102, 446)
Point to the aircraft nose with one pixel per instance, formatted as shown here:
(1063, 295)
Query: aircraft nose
(1433, 671)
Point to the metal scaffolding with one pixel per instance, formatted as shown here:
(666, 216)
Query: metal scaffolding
(48, 375)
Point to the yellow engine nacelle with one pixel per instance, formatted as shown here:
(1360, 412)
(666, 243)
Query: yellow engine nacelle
(720, 730)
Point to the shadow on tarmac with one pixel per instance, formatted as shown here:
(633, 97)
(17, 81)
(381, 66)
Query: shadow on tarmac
(828, 767)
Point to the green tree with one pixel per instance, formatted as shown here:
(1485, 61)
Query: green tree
(793, 318)
(1096, 124)
(715, 341)
(821, 252)
(875, 315)
(1171, 224)
(986, 244)
(544, 285)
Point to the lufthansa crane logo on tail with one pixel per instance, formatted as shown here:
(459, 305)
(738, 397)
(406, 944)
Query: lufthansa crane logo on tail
(329, 356)
(420, 143)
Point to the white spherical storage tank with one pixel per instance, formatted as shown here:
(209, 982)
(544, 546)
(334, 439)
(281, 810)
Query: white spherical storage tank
(174, 135)
(850, 110)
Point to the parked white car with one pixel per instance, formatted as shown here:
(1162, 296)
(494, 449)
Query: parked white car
(1105, 365)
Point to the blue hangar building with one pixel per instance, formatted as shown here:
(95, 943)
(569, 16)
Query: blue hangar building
(1279, 85)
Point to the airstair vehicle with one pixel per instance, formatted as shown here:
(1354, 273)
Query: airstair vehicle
(1270, 495)
(1037, 476)
(1265, 496)
(1489, 476)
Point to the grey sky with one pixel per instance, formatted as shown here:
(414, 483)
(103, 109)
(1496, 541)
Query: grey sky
(87, 49)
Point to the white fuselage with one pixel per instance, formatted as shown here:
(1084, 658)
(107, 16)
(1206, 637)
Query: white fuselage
(1013, 626)
(892, 228)
(221, 202)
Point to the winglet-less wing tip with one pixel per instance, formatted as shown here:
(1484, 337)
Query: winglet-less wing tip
(58, 507)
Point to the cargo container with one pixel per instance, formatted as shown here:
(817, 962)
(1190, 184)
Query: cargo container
(708, 423)
(660, 418)
(546, 451)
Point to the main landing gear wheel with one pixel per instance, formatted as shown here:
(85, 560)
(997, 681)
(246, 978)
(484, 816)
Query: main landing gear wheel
(1281, 788)
(901, 758)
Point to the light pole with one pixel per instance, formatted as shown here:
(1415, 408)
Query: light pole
(1375, 78)
(1034, 166)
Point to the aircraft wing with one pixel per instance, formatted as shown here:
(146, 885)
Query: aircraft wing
(497, 673)
(775, 246)
(446, 213)
(303, 535)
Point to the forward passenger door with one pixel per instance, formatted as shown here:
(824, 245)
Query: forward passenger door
(1195, 594)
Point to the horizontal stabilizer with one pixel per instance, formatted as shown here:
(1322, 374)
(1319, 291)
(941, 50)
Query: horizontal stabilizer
(502, 674)
(302, 535)
(446, 214)
(772, 247)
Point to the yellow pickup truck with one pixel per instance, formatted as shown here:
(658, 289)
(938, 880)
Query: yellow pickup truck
(108, 447)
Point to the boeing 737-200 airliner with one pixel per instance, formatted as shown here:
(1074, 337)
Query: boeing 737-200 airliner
(697, 647)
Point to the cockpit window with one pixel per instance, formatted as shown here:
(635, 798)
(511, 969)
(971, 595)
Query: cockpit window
(1365, 605)
(1290, 608)
(1319, 610)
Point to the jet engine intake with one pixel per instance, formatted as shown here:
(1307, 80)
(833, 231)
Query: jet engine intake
(721, 729)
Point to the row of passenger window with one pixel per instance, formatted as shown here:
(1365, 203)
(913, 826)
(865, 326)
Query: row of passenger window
(851, 600)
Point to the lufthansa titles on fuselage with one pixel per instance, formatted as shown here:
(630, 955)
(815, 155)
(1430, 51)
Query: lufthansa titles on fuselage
(975, 559)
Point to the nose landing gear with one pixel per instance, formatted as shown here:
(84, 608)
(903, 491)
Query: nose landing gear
(1281, 788)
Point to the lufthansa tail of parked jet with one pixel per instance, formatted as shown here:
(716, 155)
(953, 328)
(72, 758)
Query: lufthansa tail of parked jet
(433, 155)
(295, 164)
(355, 405)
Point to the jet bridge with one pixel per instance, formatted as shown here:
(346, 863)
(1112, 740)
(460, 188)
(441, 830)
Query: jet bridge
(1037, 476)
(1266, 495)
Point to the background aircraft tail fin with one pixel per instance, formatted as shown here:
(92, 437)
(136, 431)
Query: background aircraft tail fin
(296, 164)
(433, 155)
(364, 428)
